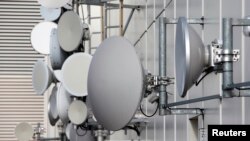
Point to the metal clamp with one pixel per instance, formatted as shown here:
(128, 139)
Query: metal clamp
(219, 55)
(153, 82)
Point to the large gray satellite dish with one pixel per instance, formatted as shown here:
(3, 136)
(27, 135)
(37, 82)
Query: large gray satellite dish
(115, 83)
(70, 31)
(190, 56)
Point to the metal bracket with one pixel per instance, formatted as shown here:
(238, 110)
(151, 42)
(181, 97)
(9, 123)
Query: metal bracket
(219, 55)
(186, 111)
(240, 86)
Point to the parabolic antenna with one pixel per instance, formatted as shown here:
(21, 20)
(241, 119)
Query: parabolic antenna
(115, 83)
(190, 56)
(52, 107)
(24, 131)
(70, 31)
(50, 14)
(41, 36)
(78, 112)
(53, 3)
(57, 55)
(78, 134)
(63, 102)
(42, 77)
(58, 75)
(75, 73)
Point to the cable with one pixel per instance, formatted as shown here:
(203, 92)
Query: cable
(149, 115)
(157, 17)
(135, 129)
(208, 71)
(83, 128)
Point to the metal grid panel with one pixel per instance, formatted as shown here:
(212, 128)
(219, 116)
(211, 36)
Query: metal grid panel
(18, 101)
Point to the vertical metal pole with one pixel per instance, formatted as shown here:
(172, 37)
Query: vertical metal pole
(162, 66)
(89, 21)
(121, 17)
(227, 66)
(105, 18)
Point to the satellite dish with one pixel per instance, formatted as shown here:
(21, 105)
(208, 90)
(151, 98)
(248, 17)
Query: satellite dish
(70, 31)
(115, 83)
(52, 107)
(41, 36)
(78, 134)
(50, 14)
(57, 55)
(63, 102)
(78, 112)
(24, 131)
(190, 56)
(53, 3)
(58, 75)
(75, 72)
(42, 77)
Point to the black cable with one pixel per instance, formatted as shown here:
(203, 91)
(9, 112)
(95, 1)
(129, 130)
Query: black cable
(83, 128)
(135, 129)
(149, 115)
(207, 71)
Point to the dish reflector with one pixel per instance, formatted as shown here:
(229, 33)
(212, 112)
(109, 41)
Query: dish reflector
(70, 31)
(78, 112)
(58, 75)
(41, 36)
(57, 55)
(115, 83)
(190, 56)
(53, 3)
(63, 102)
(75, 72)
(42, 77)
(52, 107)
(24, 131)
(50, 14)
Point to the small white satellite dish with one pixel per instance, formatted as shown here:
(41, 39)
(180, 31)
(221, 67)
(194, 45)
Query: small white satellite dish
(70, 31)
(42, 77)
(75, 73)
(50, 14)
(24, 131)
(53, 3)
(78, 112)
(115, 83)
(52, 107)
(41, 36)
(63, 102)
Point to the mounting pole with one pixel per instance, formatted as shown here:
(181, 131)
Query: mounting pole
(121, 17)
(162, 66)
(227, 66)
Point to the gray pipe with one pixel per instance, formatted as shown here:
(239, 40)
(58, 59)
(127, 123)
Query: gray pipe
(227, 66)
(162, 65)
